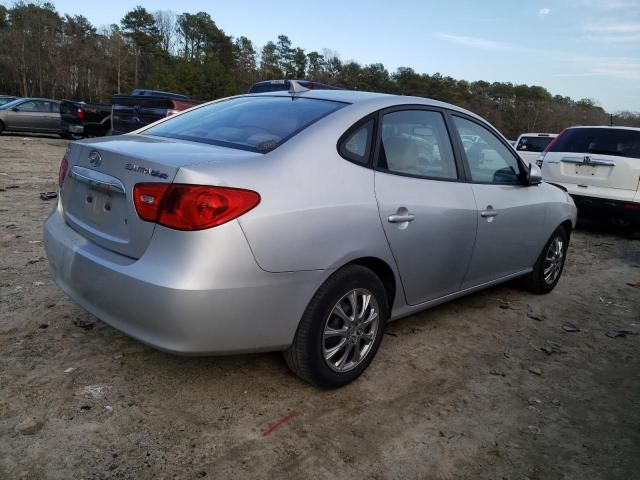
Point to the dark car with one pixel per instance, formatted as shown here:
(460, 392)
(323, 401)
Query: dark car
(284, 85)
(7, 98)
(80, 119)
(142, 107)
(39, 115)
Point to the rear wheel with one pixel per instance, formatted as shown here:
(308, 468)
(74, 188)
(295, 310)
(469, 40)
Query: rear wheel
(341, 329)
(550, 264)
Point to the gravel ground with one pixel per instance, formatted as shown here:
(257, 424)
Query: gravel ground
(490, 386)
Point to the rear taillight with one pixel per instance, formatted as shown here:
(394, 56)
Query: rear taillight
(191, 207)
(632, 206)
(62, 172)
(80, 114)
(540, 160)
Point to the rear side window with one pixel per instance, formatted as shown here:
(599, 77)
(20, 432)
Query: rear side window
(257, 124)
(416, 142)
(603, 141)
(533, 144)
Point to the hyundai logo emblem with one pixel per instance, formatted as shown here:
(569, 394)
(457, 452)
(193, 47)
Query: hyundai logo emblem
(95, 158)
(586, 159)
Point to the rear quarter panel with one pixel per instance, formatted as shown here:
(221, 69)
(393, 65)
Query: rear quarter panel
(317, 210)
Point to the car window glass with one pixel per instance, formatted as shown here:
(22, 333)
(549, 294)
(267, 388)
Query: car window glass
(258, 123)
(34, 106)
(416, 142)
(603, 141)
(356, 146)
(55, 107)
(490, 161)
(533, 144)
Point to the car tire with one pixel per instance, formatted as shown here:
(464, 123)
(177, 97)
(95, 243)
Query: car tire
(329, 321)
(550, 264)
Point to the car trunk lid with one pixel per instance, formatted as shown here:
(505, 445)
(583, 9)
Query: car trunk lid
(97, 191)
(598, 157)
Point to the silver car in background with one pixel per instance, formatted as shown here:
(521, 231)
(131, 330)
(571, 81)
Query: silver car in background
(300, 222)
(37, 115)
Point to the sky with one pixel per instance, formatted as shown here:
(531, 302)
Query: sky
(576, 48)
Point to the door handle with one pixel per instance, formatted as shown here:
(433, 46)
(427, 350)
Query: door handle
(489, 212)
(401, 218)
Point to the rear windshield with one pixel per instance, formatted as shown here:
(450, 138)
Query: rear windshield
(533, 144)
(257, 124)
(603, 141)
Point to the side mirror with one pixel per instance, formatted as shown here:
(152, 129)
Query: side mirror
(522, 147)
(534, 175)
(15, 109)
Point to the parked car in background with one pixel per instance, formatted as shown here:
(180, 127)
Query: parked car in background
(600, 168)
(530, 145)
(80, 119)
(284, 85)
(7, 98)
(260, 223)
(143, 107)
(38, 115)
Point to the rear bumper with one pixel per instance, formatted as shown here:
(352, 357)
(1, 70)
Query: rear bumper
(72, 128)
(601, 208)
(204, 295)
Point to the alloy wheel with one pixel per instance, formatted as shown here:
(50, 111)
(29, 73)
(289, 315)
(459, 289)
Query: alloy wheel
(553, 260)
(350, 330)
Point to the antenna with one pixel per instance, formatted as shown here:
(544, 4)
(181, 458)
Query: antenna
(295, 87)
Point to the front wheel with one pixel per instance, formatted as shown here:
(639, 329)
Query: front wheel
(550, 264)
(341, 329)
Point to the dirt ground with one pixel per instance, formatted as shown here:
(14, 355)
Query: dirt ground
(490, 386)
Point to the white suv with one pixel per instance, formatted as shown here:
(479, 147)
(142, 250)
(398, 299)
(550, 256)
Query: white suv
(600, 168)
(530, 145)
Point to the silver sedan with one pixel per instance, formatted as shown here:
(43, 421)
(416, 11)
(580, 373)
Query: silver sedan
(299, 221)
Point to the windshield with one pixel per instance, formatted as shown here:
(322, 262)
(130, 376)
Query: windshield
(533, 144)
(257, 124)
(9, 104)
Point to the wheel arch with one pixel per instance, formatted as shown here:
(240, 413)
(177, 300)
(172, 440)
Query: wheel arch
(384, 272)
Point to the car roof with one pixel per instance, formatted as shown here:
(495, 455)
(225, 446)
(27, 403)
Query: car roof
(539, 135)
(38, 98)
(380, 100)
(609, 127)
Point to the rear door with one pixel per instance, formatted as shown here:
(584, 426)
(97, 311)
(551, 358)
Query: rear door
(510, 213)
(427, 211)
(592, 158)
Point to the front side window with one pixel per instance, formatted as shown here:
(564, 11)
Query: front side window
(416, 142)
(257, 124)
(490, 161)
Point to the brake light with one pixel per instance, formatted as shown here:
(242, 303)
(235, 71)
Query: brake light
(540, 160)
(191, 207)
(62, 172)
(632, 206)
(80, 114)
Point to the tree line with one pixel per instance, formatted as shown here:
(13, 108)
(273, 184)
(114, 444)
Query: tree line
(44, 53)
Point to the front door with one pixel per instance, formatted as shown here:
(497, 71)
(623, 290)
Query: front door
(428, 213)
(510, 213)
